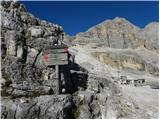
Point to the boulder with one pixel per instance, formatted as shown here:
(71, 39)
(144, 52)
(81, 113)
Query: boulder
(36, 31)
(39, 107)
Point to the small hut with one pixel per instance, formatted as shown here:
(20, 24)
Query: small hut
(139, 82)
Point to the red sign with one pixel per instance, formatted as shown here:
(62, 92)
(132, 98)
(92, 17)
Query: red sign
(65, 50)
(45, 57)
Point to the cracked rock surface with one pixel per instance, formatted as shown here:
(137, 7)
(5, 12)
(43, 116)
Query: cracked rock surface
(23, 40)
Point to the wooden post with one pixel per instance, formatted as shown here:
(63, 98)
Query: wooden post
(57, 80)
(57, 56)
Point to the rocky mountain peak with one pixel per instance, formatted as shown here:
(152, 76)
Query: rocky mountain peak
(151, 27)
(116, 23)
(120, 19)
(120, 33)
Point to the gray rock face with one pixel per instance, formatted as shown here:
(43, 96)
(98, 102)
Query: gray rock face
(36, 31)
(130, 60)
(40, 107)
(88, 106)
(121, 34)
(28, 86)
(23, 39)
(151, 34)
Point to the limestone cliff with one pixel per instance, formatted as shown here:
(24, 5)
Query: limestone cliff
(120, 33)
(23, 38)
(132, 44)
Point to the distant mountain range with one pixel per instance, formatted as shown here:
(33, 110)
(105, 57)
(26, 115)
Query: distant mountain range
(119, 33)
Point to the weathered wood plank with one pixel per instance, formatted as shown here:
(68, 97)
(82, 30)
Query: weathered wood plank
(55, 51)
(57, 62)
(59, 56)
(56, 55)
(56, 47)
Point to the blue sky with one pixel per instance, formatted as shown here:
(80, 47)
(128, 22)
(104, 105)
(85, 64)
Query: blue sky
(78, 16)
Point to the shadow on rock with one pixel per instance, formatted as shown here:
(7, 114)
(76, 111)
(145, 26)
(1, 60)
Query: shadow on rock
(75, 77)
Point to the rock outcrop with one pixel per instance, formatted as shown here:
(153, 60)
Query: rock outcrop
(27, 85)
(23, 40)
(130, 60)
(44, 107)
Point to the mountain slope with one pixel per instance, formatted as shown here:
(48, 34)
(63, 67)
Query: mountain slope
(116, 48)
(120, 33)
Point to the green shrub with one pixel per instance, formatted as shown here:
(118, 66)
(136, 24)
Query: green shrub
(76, 112)
(4, 91)
(35, 94)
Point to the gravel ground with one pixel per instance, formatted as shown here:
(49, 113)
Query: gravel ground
(145, 97)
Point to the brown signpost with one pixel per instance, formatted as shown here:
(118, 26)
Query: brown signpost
(56, 56)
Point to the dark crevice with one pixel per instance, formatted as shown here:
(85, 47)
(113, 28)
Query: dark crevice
(39, 52)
